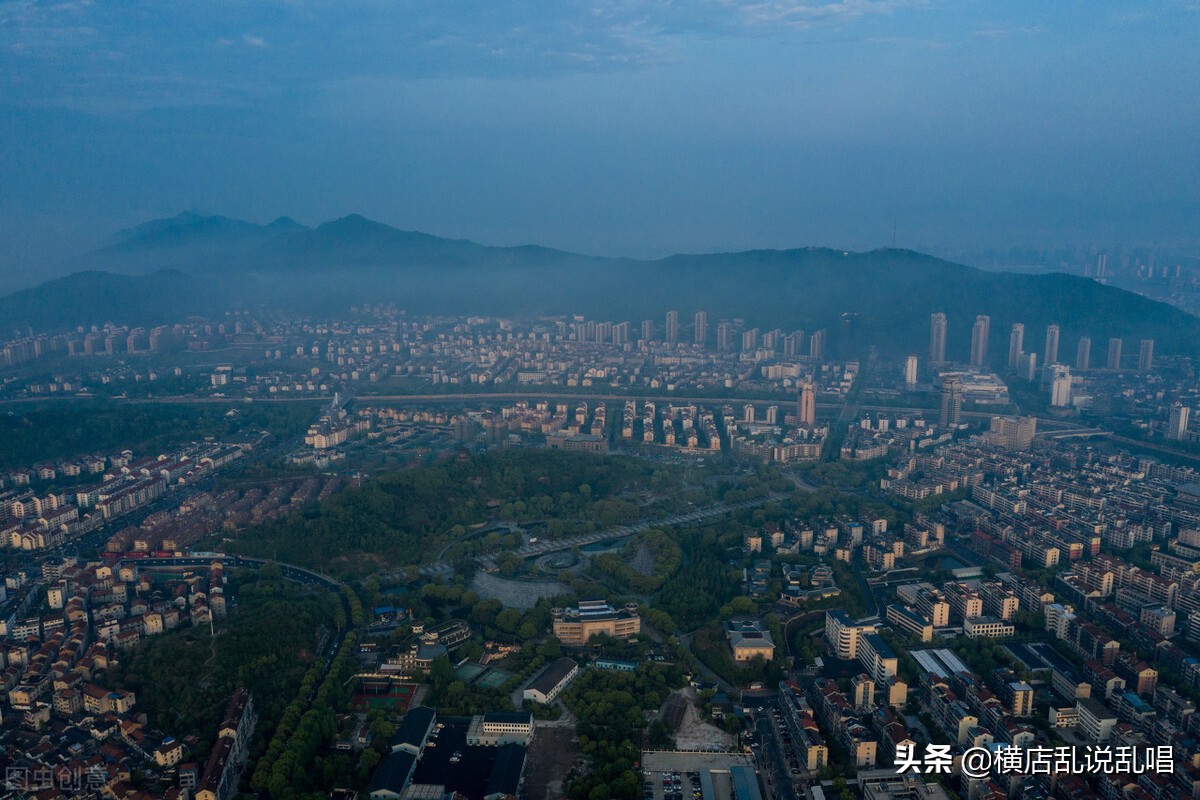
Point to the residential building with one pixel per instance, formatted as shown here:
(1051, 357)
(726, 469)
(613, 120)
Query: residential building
(937, 338)
(980, 333)
(842, 635)
(1096, 720)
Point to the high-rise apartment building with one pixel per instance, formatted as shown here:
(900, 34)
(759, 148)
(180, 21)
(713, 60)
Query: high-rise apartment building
(724, 332)
(1178, 423)
(1016, 344)
(1027, 367)
(1060, 386)
(1083, 354)
(647, 329)
(951, 410)
(1114, 353)
(937, 338)
(1050, 353)
(1146, 355)
(816, 345)
(701, 330)
(807, 410)
(910, 372)
(749, 340)
(980, 333)
(672, 326)
(793, 344)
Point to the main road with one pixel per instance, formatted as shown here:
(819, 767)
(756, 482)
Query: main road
(624, 531)
(412, 398)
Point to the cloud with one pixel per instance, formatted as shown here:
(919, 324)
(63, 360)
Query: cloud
(908, 41)
(1006, 31)
(800, 14)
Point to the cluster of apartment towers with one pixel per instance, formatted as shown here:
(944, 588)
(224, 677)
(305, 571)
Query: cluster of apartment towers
(1056, 374)
(1017, 357)
(726, 333)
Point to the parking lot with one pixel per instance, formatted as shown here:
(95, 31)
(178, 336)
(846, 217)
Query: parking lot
(690, 775)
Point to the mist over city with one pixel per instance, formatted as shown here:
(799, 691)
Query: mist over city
(612, 400)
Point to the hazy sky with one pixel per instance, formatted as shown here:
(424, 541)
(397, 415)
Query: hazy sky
(634, 127)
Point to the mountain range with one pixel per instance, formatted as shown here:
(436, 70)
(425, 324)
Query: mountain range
(201, 265)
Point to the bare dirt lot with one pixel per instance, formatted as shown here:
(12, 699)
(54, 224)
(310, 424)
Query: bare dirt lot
(551, 755)
(696, 734)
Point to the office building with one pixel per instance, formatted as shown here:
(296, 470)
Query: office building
(550, 682)
(980, 333)
(937, 338)
(1083, 354)
(1016, 344)
(1050, 352)
(1114, 353)
(986, 627)
(500, 728)
(1146, 355)
(575, 626)
(701, 330)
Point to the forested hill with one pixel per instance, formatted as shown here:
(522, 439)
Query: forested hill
(881, 298)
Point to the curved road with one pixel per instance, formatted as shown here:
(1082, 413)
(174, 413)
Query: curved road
(289, 571)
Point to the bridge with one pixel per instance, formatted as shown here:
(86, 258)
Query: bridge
(1074, 433)
(290, 571)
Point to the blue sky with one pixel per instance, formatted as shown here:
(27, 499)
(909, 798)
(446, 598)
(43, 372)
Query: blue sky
(635, 127)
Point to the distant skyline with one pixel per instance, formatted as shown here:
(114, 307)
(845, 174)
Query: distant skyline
(627, 127)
